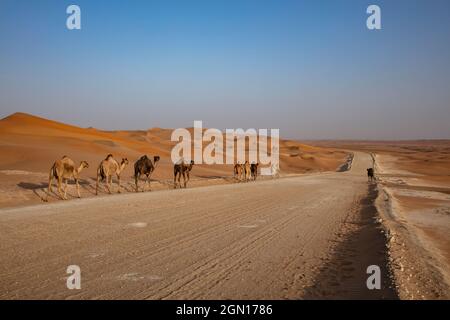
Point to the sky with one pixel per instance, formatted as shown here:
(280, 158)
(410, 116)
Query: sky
(309, 68)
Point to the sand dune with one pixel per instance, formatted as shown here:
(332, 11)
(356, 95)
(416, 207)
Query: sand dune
(29, 145)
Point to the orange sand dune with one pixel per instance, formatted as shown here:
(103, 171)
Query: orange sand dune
(29, 145)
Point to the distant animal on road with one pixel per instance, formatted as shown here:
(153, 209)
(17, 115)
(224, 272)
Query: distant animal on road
(62, 170)
(181, 169)
(144, 166)
(254, 170)
(370, 174)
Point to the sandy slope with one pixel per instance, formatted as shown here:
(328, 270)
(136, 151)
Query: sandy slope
(418, 218)
(298, 237)
(29, 145)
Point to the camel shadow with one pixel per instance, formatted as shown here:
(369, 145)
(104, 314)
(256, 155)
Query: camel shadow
(212, 177)
(32, 186)
(127, 186)
(35, 187)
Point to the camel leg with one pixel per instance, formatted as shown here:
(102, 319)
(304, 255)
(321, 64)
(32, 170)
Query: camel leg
(118, 182)
(146, 184)
(109, 183)
(78, 188)
(149, 183)
(96, 186)
(188, 178)
(184, 179)
(59, 188)
(179, 179)
(65, 189)
(50, 180)
(136, 182)
(175, 181)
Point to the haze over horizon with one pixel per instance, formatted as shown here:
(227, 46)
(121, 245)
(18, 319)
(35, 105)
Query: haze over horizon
(310, 68)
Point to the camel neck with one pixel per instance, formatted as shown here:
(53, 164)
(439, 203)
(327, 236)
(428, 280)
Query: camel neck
(80, 168)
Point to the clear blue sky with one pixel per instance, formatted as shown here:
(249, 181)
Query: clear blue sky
(310, 68)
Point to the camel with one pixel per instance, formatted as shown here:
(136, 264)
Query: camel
(254, 170)
(144, 166)
(370, 174)
(107, 168)
(65, 169)
(181, 169)
(238, 171)
(247, 171)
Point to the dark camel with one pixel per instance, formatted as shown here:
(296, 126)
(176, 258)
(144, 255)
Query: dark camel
(254, 170)
(370, 174)
(181, 169)
(144, 166)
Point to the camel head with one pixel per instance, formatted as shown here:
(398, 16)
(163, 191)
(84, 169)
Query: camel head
(84, 164)
(124, 161)
(156, 159)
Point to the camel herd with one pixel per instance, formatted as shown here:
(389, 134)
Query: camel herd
(64, 169)
(245, 171)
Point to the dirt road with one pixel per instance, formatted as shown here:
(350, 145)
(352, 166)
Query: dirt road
(302, 237)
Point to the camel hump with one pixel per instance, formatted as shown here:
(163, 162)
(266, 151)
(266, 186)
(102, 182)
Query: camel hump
(109, 156)
(144, 157)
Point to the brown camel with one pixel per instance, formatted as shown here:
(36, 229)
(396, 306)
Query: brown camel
(62, 170)
(107, 168)
(254, 170)
(144, 166)
(247, 171)
(238, 171)
(181, 169)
